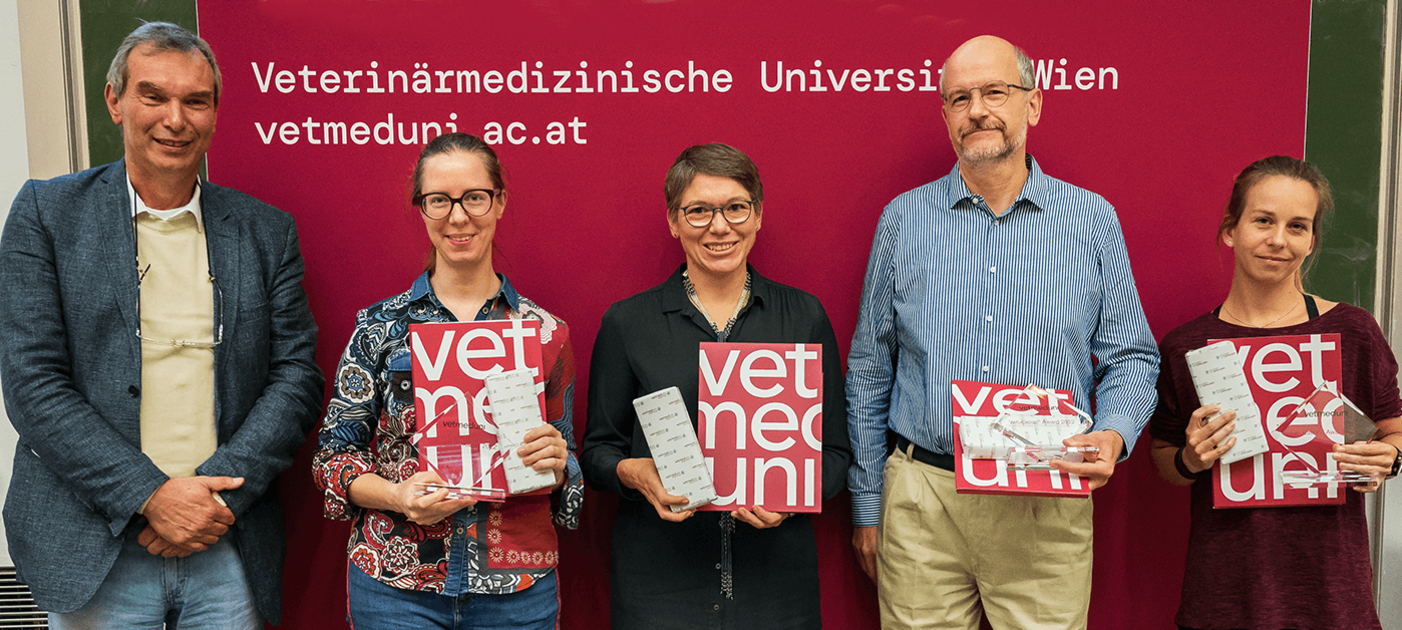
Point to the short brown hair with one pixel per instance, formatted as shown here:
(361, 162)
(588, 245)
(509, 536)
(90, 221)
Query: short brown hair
(714, 159)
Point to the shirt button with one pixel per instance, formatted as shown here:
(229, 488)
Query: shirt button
(985, 368)
(717, 565)
(715, 607)
(988, 318)
(995, 221)
(460, 529)
(992, 270)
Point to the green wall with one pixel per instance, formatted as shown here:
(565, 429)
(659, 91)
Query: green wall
(1343, 137)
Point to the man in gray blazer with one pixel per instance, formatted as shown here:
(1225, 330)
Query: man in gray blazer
(156, 351)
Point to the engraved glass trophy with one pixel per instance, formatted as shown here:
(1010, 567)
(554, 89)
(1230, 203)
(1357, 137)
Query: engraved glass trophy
(1028, 433)
(1324, 418)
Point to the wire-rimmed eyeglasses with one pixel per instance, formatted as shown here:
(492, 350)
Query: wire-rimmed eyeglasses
(702, 214)
(180, 343)
(476, 202)
(993, 93)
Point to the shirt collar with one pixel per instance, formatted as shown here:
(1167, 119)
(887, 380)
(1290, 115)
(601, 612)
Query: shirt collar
(138, 206)
(674, 294)
(1036, 191)
(422, 287)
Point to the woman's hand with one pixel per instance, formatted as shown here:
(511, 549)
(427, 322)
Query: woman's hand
(545, 449)
(1369, 458)
(759, 517)
(426, 509)
(1208, 437)
(640, 473)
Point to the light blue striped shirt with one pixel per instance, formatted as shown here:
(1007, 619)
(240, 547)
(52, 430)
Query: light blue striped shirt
(1042, 294)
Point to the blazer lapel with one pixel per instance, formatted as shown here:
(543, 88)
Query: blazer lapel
(223, 244)
(114, 218)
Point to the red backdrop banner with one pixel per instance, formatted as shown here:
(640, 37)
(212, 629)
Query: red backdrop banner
(1155, 105)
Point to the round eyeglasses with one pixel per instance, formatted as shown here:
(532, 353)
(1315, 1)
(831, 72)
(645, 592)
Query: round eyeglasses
(994, 94)
(702, 214)
(476, 202)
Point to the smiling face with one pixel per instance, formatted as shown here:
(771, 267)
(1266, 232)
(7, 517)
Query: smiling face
(1276, 230)
(167, 113)
(980, 134)
(720, 249)
(459, 239)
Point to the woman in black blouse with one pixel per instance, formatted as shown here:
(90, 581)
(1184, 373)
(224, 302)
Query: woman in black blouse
(749, 568)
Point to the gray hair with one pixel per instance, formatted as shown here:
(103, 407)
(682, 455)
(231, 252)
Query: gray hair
(1025, 70)
(163, 37)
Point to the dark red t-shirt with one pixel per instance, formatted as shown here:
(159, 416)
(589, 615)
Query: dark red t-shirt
(1271, 568)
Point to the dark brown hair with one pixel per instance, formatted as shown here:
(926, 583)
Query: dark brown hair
(1282, 166)
(714, 159)
(449, 143)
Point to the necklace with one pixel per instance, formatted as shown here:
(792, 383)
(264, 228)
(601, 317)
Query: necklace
(1265, 325)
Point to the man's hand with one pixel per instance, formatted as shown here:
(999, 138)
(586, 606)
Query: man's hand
(864, 544)
(157, 546)
(640, 473)
(1097, 467)
(186, 512)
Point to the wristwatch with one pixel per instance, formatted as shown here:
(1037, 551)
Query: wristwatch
(1396, 464)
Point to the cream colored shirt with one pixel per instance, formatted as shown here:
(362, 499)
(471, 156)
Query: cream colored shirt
(177, 304)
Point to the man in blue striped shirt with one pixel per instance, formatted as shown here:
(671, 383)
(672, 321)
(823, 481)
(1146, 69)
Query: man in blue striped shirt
(1001, 274)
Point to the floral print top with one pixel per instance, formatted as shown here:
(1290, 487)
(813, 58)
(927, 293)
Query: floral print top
(490, 548)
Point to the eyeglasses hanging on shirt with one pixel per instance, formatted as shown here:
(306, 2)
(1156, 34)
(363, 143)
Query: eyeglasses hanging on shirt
(175, 343)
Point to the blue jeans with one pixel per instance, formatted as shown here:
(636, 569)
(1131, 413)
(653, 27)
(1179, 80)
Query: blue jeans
(375, 605)
(206, 589)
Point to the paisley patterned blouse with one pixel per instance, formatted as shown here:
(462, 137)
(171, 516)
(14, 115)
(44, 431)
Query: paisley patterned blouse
(490, 548)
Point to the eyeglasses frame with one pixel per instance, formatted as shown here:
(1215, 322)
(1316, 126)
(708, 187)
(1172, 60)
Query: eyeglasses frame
(950, 105)
(492, 194)
(719, 209)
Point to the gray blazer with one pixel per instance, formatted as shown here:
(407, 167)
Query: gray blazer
(70, 363)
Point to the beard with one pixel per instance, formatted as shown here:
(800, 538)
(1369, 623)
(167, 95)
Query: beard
(990, 154)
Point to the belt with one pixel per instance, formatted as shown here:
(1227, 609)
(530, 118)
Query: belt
(938, 460)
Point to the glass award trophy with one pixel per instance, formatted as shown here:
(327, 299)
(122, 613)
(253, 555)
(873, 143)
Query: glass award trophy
(1028, 433)
(1324, 418)
(451, 462)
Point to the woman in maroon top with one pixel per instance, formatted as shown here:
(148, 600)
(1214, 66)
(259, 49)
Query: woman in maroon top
(1281, 567)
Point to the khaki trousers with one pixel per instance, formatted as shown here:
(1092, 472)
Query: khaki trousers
(946, 560)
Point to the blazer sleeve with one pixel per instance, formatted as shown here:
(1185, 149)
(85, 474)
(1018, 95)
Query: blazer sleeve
(52, 414)
(290, 400)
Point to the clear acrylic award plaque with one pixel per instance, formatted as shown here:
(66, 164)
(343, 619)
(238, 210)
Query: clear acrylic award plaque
(1324, 418)
(1028, 433)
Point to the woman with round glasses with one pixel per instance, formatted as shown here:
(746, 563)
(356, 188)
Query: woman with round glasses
(420, 558)
(749, 568)
(1278, 567)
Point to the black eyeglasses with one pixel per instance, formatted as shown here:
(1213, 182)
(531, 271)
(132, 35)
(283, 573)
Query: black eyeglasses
(476, 202)
(702, 214)
(994, 94)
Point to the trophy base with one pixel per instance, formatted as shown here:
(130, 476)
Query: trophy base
(1041, 457)
(1305, 478)
(493, 495)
